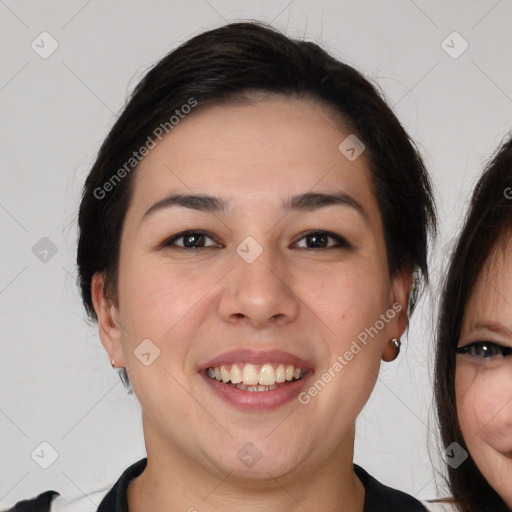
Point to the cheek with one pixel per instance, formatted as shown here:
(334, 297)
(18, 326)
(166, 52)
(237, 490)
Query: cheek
(357, 293)
(358, 318)
(155, 296)
(484, 403)
(350, 317)
(365, 312)
(470, 407)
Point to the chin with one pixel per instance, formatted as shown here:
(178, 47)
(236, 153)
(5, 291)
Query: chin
(258, 460)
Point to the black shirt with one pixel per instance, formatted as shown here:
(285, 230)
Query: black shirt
(378, 497)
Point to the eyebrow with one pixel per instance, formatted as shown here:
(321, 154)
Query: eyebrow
(308, 201)
(494, 327)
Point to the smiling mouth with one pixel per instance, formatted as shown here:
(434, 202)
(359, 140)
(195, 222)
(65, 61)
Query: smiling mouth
(256, 378)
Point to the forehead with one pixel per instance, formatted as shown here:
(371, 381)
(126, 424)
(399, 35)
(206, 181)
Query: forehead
(491, 297)
(250, 152)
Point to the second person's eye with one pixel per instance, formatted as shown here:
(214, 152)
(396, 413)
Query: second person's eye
(485, 349)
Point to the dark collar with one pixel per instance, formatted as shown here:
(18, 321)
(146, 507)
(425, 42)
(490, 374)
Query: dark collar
(381, 498)
(41, 503)
(378, 497)
(116, 499)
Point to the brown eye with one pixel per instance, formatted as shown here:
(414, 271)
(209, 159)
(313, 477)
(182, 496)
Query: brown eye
(189, 240)
(320, 240)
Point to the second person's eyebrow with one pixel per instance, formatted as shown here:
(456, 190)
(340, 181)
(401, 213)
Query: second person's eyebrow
(494, 327)
(308, 201)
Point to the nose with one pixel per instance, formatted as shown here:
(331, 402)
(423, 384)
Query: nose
(259, 293)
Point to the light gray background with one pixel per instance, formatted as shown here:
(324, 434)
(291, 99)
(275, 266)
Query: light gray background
(56, 382)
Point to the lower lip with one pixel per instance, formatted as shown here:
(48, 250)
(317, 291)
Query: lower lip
(257, 400)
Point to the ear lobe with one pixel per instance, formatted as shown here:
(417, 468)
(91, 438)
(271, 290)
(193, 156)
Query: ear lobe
(390, 352)
(108, 326)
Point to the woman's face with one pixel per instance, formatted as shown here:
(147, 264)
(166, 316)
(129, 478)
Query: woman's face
(484, 373)
(275, 276)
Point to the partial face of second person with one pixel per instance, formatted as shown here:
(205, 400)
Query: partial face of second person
(484, 373)
(320, 280)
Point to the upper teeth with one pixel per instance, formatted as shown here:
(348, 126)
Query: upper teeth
(251, 375)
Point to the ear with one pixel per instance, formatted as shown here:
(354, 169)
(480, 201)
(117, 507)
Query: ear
(108, 325)
(401, 287)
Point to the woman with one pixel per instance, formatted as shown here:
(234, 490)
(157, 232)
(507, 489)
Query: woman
(474, 353)
(248, 236)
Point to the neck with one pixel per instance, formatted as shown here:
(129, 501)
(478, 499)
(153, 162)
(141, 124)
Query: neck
(173, 480)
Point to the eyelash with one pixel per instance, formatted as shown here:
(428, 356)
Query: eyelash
(499, 350)
(170, 242)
